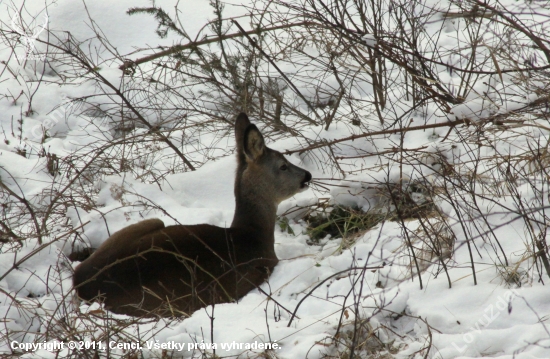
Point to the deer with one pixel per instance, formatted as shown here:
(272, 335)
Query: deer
(149, 269)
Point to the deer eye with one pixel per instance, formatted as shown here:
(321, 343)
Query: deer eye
(283, 167)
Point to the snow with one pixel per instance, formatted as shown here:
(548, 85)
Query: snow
(370, 40)
(494, 318)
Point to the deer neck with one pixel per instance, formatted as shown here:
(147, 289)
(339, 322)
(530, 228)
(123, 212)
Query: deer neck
(254, 210)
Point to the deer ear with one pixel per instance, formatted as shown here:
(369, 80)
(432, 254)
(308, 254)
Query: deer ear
(241, 123)
(254, 145)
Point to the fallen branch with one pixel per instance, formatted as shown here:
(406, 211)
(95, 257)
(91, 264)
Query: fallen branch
(175, 49)
(376, 133)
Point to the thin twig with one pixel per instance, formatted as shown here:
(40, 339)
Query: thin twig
(253, 42)
(208, 40)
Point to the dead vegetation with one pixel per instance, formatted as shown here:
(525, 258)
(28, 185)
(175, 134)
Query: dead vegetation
(480, 108)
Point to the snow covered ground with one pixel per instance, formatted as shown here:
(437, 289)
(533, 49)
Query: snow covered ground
(371, 285)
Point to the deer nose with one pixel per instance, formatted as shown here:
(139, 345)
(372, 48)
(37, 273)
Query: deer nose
(307, 178)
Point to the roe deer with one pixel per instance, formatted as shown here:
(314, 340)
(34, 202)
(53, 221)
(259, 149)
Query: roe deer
(148, 269)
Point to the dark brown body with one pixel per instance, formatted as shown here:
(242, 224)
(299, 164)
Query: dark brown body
(147, 269)
(175, 264)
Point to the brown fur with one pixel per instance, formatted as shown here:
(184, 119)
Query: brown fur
(147, 269)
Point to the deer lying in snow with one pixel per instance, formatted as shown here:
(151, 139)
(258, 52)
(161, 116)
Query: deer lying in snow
(148, 269)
